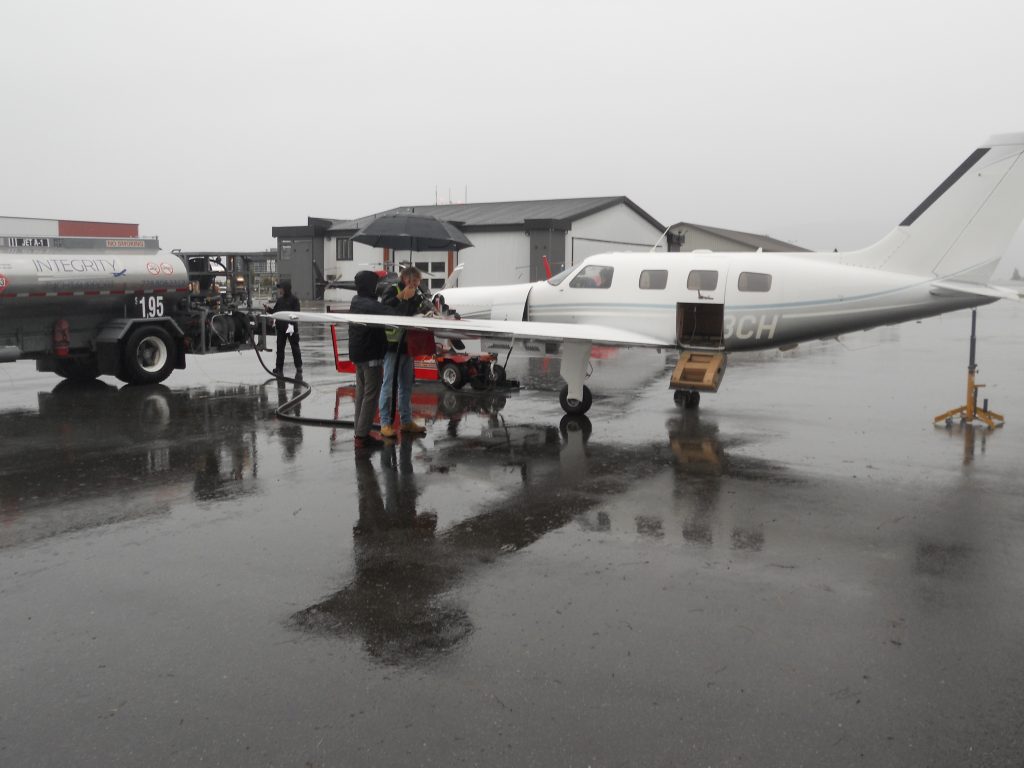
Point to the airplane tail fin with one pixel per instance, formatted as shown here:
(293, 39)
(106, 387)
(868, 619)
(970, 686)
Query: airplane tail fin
(962, 229)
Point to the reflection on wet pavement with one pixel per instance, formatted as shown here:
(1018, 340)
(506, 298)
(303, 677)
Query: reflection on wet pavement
(64, 466)
(403, 604)
(804, 571)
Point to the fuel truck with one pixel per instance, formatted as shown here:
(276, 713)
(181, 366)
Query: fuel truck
(84, 306)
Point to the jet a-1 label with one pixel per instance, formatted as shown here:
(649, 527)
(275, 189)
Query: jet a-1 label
(745, 327)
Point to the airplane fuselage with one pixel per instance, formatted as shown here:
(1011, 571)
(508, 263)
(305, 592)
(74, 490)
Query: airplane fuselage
(938, 259)
(737, 301)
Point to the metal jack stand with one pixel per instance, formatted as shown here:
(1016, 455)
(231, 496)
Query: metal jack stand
(971, 412)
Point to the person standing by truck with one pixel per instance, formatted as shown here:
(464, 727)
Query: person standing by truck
(367, 345)
(286, 302)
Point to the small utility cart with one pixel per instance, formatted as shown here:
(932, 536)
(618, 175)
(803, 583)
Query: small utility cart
(452, 368)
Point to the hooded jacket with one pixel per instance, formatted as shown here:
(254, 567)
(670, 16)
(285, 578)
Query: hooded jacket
(287, 303)
(367, 342)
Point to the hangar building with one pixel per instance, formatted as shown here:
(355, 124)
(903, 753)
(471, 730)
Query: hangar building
(694, 237)
(509, 240)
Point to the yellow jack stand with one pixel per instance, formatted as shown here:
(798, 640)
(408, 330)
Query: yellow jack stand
(971, 412)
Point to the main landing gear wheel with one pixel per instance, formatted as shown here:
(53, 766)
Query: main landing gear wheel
(575, 407)
(686, 398)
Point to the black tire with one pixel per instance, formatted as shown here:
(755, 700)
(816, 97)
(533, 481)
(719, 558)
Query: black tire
(679, 397)
(571, 423)
(692, 401)
(148, 356)
(451, 376)
(77, 368)
(149, 407)
(498, 374)
(575, 407)
(449, 403)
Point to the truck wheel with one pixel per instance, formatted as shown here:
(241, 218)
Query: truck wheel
(451, 376)
(77, 368)
(498, 374)
(148, 356)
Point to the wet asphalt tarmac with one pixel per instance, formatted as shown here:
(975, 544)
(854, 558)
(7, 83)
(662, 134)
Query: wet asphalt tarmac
(805, 572)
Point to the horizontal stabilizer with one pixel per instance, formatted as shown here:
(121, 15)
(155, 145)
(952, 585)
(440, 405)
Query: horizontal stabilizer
(952, 287)
(486, 329)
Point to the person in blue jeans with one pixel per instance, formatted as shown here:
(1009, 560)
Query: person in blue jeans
(407, 300)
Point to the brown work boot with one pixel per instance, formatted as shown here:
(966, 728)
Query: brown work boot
(413, 428)
(386, 430)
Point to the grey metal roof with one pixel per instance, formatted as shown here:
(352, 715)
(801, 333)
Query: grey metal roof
(764, 242)
(507, 215)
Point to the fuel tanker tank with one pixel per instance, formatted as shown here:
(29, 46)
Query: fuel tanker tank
(85, 306)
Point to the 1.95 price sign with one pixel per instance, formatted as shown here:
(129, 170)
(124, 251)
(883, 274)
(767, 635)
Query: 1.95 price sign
(149, 306)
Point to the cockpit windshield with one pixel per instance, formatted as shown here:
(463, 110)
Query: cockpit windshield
(593, 276)
(556, 279)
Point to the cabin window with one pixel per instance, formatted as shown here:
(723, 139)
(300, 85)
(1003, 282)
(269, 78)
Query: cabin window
(593, 276)
(702, 280)
(755, 282)
(653, 279)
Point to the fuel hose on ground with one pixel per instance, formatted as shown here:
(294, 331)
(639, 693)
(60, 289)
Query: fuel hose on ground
(283, 411)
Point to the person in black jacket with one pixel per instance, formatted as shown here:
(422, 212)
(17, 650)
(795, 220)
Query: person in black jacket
(287, 302)
(367, 345)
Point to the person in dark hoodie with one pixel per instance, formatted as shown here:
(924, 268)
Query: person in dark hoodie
(367, 345)
(286, 302)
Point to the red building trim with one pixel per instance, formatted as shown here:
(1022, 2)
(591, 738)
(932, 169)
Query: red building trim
(96, 229)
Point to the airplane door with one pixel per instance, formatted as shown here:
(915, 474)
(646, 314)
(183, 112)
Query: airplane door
(700, 312)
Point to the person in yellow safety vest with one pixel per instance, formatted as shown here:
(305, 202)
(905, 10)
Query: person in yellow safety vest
(407, 299)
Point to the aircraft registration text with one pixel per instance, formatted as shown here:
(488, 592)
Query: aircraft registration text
(747, 327)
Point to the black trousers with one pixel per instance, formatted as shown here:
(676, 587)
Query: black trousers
(293, 339)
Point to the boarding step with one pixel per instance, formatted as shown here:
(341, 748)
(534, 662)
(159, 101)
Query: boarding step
(699, 370)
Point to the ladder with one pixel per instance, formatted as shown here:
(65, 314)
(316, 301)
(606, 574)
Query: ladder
(699, 370)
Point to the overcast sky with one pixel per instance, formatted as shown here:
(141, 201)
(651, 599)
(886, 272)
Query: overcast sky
(822, 123)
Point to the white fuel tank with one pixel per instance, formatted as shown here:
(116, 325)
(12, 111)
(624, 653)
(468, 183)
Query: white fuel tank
(39, 269)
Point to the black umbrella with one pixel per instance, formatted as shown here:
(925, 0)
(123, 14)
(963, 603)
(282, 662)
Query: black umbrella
(412, 232)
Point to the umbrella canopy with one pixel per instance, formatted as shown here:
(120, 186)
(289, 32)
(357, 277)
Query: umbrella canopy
(412, 232)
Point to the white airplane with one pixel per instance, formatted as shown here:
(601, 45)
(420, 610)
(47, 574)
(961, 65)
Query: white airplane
(706, 305)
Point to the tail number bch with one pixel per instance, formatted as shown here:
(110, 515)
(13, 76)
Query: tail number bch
(747, 327)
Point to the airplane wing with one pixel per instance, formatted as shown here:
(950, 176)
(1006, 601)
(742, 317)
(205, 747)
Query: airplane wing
(947, 287)
(487, 329)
